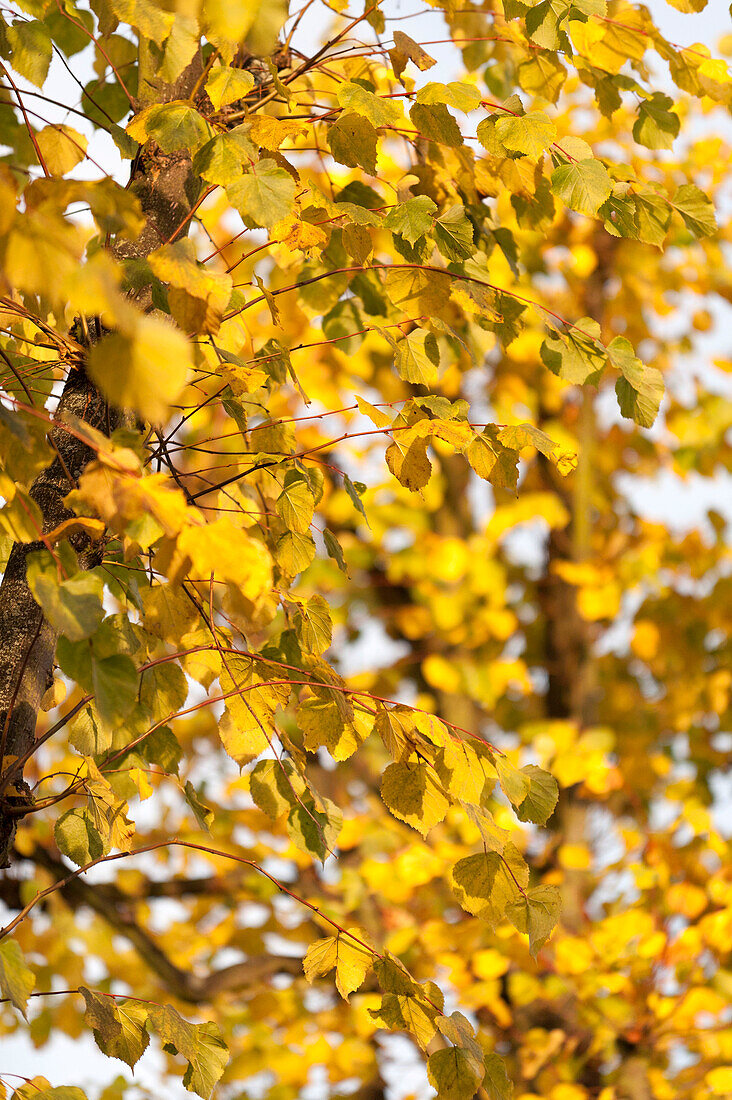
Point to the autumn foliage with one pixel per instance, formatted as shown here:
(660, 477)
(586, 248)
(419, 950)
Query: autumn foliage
(362, 669)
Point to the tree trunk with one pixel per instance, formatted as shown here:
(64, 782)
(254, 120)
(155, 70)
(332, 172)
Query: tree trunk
(572, 688)
(167, 190)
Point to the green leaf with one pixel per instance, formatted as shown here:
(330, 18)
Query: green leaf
(458, 1029)
(200, 1044)
(411, 219)
(223, 159)
(528, 135)
(118, 1026)
(413, 795)
(656, 126)
(295, 504)
(436, 123)
(496, 1081)
(314, 626)
(401, 1012)
(275, 786)
(294, 552)
(174, 126)
(640, 389)
(465, 97)
(514, 784)
(351, 960)
(78, 838)
(509, 324)
(315, 828)
(538, 805)
(582, 185)
(487, 882)
(453, 233)
(226, 85)
(352, 140)
(454, 1073)
(379, 112)
(696, 209)
(115, 684)
(74, 606)
(87, 734)
(355, 490)
(536, 913)
(576, 355)
(17, 980)
(203, 814)
(417, 357)
(30, 43)
(266, 195)
(393, 976)
(161, 747)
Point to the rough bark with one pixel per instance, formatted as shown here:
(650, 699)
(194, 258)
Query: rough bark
(27, 640)
(167, 190)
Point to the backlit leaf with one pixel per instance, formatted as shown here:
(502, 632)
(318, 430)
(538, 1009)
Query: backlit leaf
(640, 388)
(145, 370)
(487, 882)
(118, 1026)
(413, 794)
(378, 111)
(454, 1073)
(536, 913)
(582, 185)
(529, 135)
(352, 961)
(200, 1044)
(17, 980)
(696, 210)
(265, 194)
(226, 85)
(352, 139)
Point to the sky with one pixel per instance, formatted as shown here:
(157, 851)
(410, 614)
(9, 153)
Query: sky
(79, 1062)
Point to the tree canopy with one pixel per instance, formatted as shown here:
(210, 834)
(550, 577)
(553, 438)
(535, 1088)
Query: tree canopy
(349, 684)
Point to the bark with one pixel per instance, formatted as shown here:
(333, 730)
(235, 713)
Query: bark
(27, 640)
(167, 190)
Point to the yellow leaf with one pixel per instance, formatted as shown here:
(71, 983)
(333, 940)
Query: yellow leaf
(231, 554)
(62, 148)
(719, 1080)
(145, 370)
(645, 640)
(351, 960)
(413, 794)
(270, 132)
(226, 84)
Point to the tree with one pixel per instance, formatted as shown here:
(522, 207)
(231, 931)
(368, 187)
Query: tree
(294, 390)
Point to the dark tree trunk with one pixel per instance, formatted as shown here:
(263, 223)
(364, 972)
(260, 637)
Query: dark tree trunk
(167, 191)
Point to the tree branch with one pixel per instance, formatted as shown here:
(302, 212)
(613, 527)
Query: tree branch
(108, 903)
